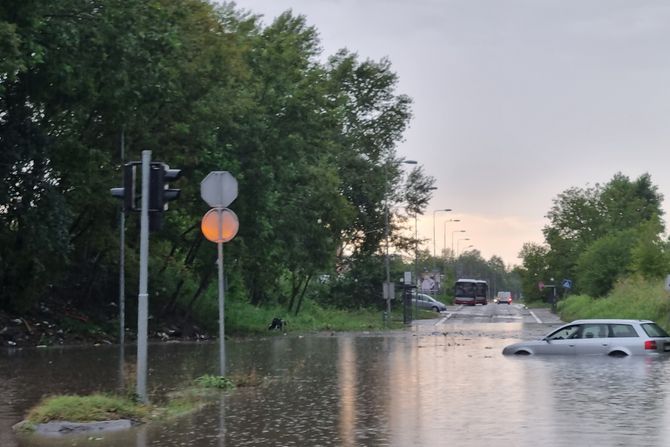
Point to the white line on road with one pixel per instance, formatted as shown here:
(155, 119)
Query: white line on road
(535, 316)
(443, 319)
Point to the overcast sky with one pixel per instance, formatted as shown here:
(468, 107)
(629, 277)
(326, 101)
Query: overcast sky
(514, 100)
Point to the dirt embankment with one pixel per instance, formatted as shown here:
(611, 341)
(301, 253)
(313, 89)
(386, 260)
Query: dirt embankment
(58, 324)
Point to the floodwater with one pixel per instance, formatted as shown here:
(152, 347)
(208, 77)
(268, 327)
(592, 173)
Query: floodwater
(434, 385)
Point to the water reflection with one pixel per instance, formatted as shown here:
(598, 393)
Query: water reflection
(346, 367)
(445, 385)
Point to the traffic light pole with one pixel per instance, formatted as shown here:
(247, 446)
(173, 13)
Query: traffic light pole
(122, 260)
(143, 297)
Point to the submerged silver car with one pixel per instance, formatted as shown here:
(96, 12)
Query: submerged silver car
(423, 301)
(618, 338)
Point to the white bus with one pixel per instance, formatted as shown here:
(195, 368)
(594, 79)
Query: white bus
(470, 292)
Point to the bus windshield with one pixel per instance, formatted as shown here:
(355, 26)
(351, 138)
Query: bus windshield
(465, 288)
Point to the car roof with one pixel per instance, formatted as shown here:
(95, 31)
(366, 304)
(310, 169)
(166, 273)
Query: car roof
(609, 321)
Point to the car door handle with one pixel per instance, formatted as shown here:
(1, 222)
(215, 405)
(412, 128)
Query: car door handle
(572, 346)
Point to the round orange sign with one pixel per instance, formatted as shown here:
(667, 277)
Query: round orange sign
(220, 225)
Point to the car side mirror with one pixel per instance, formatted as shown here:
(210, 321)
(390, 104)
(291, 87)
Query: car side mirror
(545, 339)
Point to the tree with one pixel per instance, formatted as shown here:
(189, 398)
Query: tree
(581, 216)
(650, 256)
(534, 270)
(606, 260)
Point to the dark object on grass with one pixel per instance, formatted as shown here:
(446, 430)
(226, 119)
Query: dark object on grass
(277, 323)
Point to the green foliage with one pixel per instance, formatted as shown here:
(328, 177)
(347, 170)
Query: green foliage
(96, 407)
(598, 234)
(650, 256)
(634, 298)
(205, 88)
(604, 261)
(218, 382)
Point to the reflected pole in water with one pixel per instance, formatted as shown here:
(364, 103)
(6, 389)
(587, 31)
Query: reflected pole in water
(222, 420)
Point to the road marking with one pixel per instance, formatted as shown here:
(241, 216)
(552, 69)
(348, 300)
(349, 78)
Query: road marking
(535, 316)
(443, 319)
(513, 317)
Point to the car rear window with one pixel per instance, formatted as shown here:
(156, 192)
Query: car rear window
(622, 330)
(654, 330)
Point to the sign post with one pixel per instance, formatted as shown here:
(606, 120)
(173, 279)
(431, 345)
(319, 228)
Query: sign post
(219, 189)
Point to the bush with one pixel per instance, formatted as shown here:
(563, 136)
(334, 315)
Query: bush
(633, 298)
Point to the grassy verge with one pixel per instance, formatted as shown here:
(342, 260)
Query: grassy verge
(246, 319)
(632, 298)
(105, 407)
(97, 407)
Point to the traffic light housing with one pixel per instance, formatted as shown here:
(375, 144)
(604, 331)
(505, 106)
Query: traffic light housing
(160, 192)
(128, 193)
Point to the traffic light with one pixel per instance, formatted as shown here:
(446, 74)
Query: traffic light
(160, 192)
(128, 193)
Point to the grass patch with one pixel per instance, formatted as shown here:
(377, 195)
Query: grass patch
(245, 319)
(97, 407)
(218, 382)
(632, 298)
(105, 407)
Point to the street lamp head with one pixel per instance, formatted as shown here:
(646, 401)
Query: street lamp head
(410, 162)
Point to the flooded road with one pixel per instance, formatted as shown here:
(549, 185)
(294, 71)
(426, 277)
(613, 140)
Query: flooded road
(443, 382)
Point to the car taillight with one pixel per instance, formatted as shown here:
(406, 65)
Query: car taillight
(650, 345)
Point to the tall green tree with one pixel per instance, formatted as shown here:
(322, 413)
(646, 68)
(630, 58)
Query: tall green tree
(582, 216)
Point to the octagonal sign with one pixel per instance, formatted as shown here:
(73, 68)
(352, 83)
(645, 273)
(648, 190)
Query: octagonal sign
(218, 189)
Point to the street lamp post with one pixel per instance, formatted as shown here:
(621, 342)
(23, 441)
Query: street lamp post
(435, 212)
(386, 236)
(458, 243)
(452, 240)
(444, 235)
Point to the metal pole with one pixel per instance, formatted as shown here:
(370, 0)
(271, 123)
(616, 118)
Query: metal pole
(386, 258)
(435, 212)
(122, 276)
(222, 328)
(122, 258)
(416, 266)
(143, 297)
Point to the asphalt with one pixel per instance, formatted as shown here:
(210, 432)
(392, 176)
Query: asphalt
(544, 315)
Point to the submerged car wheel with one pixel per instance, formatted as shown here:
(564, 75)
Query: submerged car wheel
(435, 309)
(522, 353)
(618, 354)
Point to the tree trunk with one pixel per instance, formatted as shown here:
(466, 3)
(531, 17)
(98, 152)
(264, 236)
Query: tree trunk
(302, 294)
